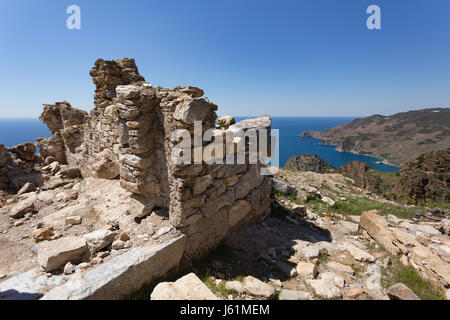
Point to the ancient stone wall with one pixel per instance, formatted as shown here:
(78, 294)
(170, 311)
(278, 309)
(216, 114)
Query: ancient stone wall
(131, 135)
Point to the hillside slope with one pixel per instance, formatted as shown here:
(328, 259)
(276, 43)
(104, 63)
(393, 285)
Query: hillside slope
(397, 138)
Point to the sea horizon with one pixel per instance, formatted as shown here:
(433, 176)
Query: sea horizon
(15, 131)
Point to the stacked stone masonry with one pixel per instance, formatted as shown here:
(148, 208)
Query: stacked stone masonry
(130, 135)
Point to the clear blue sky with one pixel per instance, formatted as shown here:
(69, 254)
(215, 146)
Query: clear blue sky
(298, 58)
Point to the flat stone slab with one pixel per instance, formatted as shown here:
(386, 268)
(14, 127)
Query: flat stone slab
(358, 253)
(27, 286)
(122, 275)
(257, 288)
(55, 254)
(294, 295)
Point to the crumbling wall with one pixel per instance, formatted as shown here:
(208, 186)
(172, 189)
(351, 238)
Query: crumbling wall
(130, 135)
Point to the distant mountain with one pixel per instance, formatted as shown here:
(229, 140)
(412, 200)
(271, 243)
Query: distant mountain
(397, 138)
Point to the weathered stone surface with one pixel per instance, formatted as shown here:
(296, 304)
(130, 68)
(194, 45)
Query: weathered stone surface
(444, 253)
(139, 209)
(286, 294)
(246, 183)
(201, 183)
(58, 218)
(445, 226)
(348, 227)
(422, 228)
(25, 151)
(69, 268)
(120, 244)
(324, 288)
(123, 236)
(430, 264)
(73, 220)
(126, 92)
(55, 254)
(194, 110)
(373, 282)
(106, 165)
(20, 209)
(194, 92)
(27, 187)
(70, 172)
(263, 122)
(299, 210)
(257, 288)
(356, 294)
(399, 291)
(358, 253)
(189, 287)
(235, 285)
(377, 227)
(338, 267)
(283, 187)
(306, 270)
(332, 277)
(226, 121)
(42, 234)
(99, 239)
(311, 251)
(27, 286)
(122, 275)
(241, 209)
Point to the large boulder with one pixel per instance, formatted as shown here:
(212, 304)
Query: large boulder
(55, 254)
(189, 287)
(106, 165)
(196, 109)
(399, 291)
(377, 227)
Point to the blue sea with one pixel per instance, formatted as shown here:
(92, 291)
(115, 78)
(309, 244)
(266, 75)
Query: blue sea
(16, 131)
(291, 144)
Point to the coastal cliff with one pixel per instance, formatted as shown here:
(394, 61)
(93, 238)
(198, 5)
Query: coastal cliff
(397, 138)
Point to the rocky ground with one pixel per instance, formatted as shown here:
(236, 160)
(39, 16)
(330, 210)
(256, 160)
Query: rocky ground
(325, 239)
(307, 251)
(71, 225)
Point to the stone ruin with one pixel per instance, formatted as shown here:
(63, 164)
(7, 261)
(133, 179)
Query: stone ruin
(129, 136)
